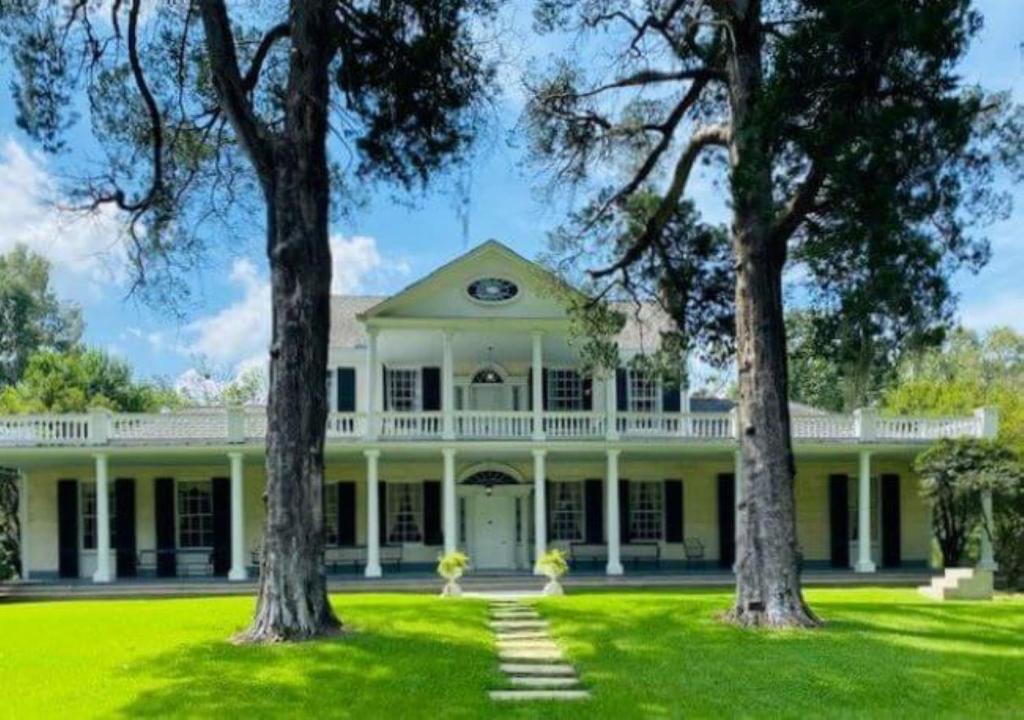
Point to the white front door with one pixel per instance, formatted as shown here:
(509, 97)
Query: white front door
(494, 545)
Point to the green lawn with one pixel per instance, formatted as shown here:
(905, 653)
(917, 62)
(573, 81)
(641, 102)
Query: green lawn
(654, 654)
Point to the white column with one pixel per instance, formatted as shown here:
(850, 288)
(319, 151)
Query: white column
(611, 523)
(238, 570)
(447, 386)
(540, 525)
(611, 406)
(538, 388)
(864, 563)
(448, 489)
(103, 573)
(372, 516)
(23, 521)
(987, 561)
(371, 383)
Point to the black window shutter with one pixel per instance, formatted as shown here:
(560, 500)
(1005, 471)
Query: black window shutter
(624, 530)
(674, 511)
(588, 393)
(549, 504)
(385, 389)
(67, 528)
(545, 405)
(163, 503)
(726, 520)
(346, 513)
(839, 519)
(382, 512)
(621, 390)
(346, 389)
(670, 399)
(891, 538)
(592, 495)
(529, 389)
(431, 388)
(432, 534)
(124, 532)
(221, 525)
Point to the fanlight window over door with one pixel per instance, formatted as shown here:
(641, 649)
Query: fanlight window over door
(489, 478)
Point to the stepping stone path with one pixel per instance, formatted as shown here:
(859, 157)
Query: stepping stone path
(533, 664)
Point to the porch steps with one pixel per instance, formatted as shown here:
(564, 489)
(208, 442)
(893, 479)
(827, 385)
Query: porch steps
(960, 584)
(534, 666)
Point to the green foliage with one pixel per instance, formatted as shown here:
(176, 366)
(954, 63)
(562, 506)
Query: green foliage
(452, 565)
(31, 316)
(553, 563)
(968, 372)
(77, 380)
(954, 473)
(10, 556)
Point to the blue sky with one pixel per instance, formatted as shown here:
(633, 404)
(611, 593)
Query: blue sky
(389, 243)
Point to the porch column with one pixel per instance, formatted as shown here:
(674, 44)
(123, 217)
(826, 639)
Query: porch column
(102, 574)
(238, 570)
(987, 560)
(540, 525)
(538, 388)
(372, 515)
(23, 536)
(450, 533)
(611, 491)
(611, 406)
(447, 386)
(864, 563)
(371, 383)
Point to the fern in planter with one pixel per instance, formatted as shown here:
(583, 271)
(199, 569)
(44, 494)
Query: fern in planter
(553, 564)
(452, 566)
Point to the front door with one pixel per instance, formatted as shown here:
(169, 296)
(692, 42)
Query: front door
(493, 545)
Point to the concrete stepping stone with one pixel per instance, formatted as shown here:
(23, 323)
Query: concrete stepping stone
(529, 644)
(539, 682)
(522, 635)
(528, 654)
(518, 695)
(539, 623)
(543, 669)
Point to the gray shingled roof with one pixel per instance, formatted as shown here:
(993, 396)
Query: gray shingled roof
(346, 330)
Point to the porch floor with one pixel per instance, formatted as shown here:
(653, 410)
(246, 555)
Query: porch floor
(428, 582)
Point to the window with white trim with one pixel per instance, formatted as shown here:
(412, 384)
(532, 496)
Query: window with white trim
(195, 514)
(404, 389)
(643, 392)
(405, 512)
(566, 511)
(89, 516)
(565, 389)
(645, 510)
(331, 513)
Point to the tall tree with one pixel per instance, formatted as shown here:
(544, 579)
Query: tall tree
(31, 316)
(848, 144)
(192, 108)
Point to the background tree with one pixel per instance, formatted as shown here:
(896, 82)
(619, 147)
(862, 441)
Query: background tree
(193, 109)
(954, 473)
(31, 316)
(848, 144)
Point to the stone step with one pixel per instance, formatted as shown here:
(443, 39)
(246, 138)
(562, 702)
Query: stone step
(538, 624)
(520, 695)
(539, 682)
(544, 669)
(542, 645)
(515, 616)
(530, 654)
(517, 634)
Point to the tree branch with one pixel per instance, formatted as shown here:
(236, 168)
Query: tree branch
(278, 32)
(646, 77)
(800, 204)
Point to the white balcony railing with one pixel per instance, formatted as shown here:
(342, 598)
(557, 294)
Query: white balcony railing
(220, 425)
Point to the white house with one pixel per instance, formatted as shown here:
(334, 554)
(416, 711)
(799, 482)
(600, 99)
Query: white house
(460, 418)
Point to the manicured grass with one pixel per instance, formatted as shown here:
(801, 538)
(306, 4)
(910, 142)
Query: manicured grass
(884, 653)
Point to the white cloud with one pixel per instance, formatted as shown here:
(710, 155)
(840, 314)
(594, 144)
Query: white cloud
(998, 309)
(85, 249)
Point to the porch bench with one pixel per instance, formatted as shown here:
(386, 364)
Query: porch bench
(187, 563)
(694, 550)
(639, 552)
(354, 556)
(587, 552)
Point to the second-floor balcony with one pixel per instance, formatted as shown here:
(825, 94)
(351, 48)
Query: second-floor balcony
(249, 425)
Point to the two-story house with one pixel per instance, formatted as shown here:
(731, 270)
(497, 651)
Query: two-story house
(460, 417)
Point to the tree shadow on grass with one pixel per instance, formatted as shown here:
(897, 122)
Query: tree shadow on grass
(399, 660)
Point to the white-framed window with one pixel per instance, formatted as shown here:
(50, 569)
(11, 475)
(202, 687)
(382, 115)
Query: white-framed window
(195, 514)
(566, 511)
(643, 392)
(88, 505)
(853, 493)
(565, 389)
(331, 513)
(646, 515)
(405, 512)
(404, 389)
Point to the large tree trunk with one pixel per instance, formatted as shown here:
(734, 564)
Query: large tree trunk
(767, 576)
(293, 603)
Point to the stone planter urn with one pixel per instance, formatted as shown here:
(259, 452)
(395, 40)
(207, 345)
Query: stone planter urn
(451, 566)
(554, 566)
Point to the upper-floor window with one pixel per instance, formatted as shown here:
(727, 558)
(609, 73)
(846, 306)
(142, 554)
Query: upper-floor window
(405, 512)
(195, 514)
(643, 392)
(89, 526)
(492, 290)
(645, 510)
(403, 389)
(566, 511)
(565, 389)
